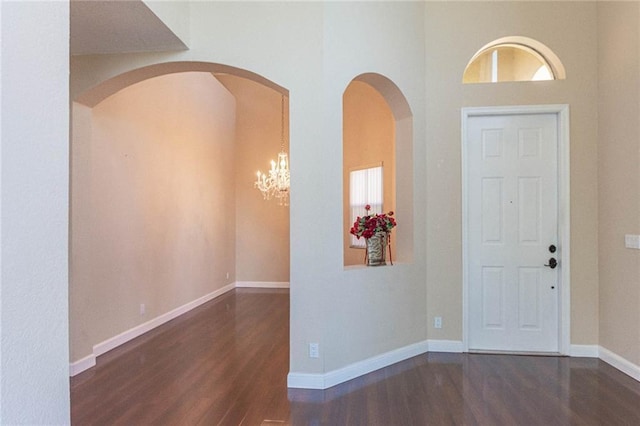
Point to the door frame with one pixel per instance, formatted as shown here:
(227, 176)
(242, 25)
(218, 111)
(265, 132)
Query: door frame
(564, 218)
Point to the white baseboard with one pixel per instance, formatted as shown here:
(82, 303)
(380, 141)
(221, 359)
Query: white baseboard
(454, 346)
(620, 363)
(139, 330)
(262, 284)
(113, 342)
(82, 364)
(335, 377)
(305, 381)
(584, 351)
(324, 381)
(341, 375)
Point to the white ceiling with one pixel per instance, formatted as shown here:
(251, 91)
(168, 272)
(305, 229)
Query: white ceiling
(115, 26)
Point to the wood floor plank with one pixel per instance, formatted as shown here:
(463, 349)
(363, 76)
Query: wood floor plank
(226, 363)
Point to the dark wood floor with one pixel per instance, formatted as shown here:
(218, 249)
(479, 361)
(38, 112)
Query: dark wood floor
(226, 363)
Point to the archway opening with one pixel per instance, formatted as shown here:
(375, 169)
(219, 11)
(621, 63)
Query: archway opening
(163, 205)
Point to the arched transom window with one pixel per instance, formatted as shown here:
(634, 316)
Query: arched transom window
(513, 59)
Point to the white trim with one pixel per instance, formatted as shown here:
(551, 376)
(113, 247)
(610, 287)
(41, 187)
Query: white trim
(584, 351)
(564, 214)
(324, 381)
(82, 364)
(139, 330)
(454, 346)
(305, 381)
(564, 227)
(341, 375)
(262, 284)
(620, 363)
(113, 342)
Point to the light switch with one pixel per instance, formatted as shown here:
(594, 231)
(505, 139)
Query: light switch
(632, 241)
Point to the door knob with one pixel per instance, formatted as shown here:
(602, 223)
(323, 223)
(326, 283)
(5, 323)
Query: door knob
(552, 248)
(552, 263)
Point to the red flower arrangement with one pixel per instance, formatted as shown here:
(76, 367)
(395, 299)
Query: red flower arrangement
(369, 225)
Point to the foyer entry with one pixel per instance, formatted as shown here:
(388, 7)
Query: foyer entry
(514, 253)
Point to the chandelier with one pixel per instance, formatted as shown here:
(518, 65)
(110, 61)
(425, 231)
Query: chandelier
(275, 184)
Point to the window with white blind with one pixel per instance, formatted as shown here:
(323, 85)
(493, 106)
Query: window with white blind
(365, 187)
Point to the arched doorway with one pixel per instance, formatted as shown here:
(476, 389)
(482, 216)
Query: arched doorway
(163, 165)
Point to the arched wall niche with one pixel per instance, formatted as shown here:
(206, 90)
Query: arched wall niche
(390, 92)
(93, 96)
(394, 108)
(530, 47)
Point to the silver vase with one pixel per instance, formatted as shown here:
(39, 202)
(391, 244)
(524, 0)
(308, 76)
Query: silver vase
(377, 249)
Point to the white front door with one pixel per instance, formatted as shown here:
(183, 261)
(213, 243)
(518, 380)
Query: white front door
(512, 224)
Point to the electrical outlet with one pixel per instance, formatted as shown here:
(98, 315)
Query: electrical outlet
(143, 309)
(632, 241)
(227, 275)
(314, 350)
(437, 322)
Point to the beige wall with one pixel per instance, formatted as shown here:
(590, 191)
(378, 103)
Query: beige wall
(311, 48)
(619, 176)
(153, 211)
(454, 33)
(365, 312)
(424, 48)
(368, 139)
(262, 227)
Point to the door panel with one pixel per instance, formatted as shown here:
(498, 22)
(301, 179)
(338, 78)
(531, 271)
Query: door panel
(512, 218)
(529, 296)
(492, 204)
(493, 292)
(529, 210)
